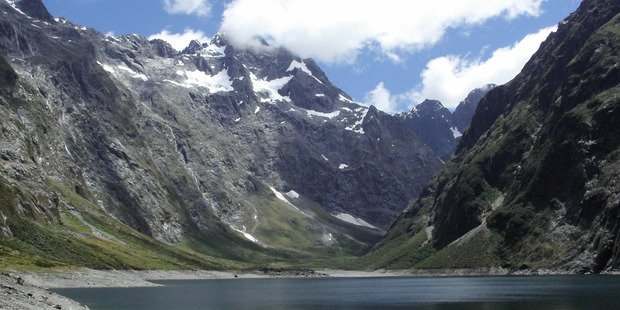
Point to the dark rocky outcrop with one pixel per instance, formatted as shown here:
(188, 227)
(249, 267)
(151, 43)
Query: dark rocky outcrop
(36, 9)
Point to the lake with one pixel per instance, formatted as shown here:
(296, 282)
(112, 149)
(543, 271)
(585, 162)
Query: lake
(589, 292)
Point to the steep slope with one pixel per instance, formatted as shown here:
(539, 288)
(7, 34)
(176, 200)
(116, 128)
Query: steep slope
(439, 128)
(534, 181)
(247, 154)
(462, 115)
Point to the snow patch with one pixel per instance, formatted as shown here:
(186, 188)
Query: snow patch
(134, 74)
(219, 82)
(215, 50)
(320, 114)
(319, 95)
(343, 166)
(302, 66)
(280, 195)
(257, 110)
(345, 99)
(12, 4)
(106, 67)
(246, 235)
(216, 83)
(359, 122)
(327, 239)
(353, 220)
(113, 71)
(456, 133)
(270, 88)
(324, 157)
(292, 194)
(299, 65)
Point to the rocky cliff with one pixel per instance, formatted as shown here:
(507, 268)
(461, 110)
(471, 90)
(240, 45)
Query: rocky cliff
(534, 181)
(221, 150)
(439, 128)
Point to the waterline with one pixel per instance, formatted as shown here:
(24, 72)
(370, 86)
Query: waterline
(529, 292)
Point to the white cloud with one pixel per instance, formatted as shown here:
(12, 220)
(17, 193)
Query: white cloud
(180, 40)
(382, 99)
(198, 7)
(450, 78)
(336, 31)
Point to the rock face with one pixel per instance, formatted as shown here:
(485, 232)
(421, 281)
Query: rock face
(534, 181)
(439, 128)
(251, 144)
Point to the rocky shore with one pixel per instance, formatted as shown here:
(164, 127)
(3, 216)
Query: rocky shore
(16, 293)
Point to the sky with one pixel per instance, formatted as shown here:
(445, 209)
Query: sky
(389, 53)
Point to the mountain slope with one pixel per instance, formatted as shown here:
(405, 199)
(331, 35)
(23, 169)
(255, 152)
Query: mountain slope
(247, 154)
(439, 128)
(533, 182)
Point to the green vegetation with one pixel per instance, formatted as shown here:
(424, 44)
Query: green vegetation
(480, 250)
(85, 236)
(402, 253)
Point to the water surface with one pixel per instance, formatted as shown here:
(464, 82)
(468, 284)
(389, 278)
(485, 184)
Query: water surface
(590, 292)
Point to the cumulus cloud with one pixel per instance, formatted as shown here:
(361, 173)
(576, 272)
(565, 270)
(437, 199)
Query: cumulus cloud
(382, 99)
(180, 41)
(450, 78)
(198, 7)
(336, 31)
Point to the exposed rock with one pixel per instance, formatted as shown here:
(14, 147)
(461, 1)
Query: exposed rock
(537, 168)
(439, 128)
(200, 145)
(36, 9)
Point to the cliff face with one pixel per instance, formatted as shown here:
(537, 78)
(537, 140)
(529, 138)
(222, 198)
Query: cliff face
(212, 148)
(439, 128)
(534, 181)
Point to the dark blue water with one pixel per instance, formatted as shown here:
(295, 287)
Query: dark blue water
(533, 292)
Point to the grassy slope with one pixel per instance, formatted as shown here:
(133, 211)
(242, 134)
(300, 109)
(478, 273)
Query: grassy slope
(85, 236)
(538, 182)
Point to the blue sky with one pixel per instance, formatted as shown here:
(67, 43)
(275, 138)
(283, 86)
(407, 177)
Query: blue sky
(389, 53)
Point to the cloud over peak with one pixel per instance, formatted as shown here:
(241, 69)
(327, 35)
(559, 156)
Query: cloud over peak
(180, 41)
(336, 31)
(450, 78)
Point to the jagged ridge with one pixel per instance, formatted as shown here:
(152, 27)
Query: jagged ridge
(245, 154)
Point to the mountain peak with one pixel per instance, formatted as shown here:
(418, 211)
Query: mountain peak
(193, 47)
(430, 104)
(181, 145)
(533, 183)
(465, 110)
(36, 9)
(437, 126)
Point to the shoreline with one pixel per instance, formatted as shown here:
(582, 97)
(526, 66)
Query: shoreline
(91, 278)
(32, 290)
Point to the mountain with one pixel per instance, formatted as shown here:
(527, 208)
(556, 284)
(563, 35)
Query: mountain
(439, 128)
(462, 115)
(534, 180)
(112, 145)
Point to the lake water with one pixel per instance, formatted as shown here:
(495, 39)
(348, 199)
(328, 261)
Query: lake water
(589, 292)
